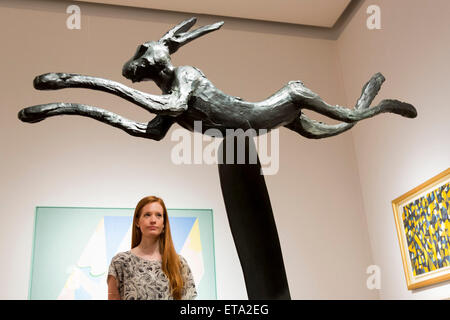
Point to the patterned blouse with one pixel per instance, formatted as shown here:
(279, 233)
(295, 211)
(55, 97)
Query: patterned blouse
(142, 279)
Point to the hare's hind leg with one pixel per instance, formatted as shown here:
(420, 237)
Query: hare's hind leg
(307, 99)
(313, 129)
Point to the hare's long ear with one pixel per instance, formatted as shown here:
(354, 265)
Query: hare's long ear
(181, 27)
(179, 35)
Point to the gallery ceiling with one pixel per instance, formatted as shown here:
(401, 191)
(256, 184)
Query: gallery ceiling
(318, 13)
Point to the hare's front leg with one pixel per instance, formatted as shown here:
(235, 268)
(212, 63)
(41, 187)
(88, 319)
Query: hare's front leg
(156, 129)
(167, 104)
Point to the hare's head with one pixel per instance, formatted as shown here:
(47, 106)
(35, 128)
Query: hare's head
(152, 59)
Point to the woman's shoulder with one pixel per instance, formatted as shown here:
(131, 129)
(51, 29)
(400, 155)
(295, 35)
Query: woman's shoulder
(124, 256)
(183, 262)
(182, 259)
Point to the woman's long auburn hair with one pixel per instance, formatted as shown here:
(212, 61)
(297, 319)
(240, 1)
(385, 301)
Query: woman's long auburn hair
(170, 262)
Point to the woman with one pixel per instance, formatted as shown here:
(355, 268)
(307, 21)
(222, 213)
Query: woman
(151, 270)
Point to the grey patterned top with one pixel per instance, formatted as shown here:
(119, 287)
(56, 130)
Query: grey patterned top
(141, 279)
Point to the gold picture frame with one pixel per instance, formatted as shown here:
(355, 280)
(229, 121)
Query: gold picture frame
(423, 230)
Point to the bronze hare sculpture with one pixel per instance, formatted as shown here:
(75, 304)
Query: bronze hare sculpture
(189, 96)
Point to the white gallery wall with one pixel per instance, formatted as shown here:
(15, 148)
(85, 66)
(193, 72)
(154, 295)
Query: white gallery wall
(394, 155)
(331, 197)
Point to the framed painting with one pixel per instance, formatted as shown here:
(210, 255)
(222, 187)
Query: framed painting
(423, 229)
(73, 247)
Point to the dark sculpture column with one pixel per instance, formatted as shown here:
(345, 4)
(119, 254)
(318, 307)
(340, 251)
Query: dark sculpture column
(252, 224)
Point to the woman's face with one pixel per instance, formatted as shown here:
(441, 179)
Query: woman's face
(151, 220)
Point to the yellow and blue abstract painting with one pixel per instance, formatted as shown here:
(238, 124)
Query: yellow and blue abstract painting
(427, 230)
(74, 246)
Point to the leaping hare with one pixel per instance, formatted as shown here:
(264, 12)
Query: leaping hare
(189, 96)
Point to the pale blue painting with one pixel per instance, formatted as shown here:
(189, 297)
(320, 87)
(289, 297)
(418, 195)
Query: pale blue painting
(73, 248)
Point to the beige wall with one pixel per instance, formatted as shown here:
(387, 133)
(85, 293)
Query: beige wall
(74, 161)
(395, 155)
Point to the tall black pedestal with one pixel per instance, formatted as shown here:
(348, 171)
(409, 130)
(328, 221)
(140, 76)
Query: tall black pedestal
(252, 225)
